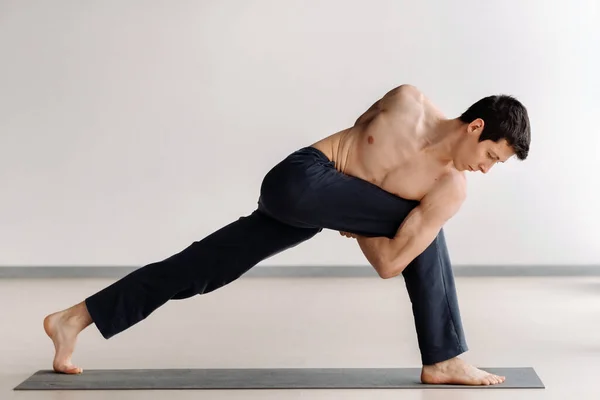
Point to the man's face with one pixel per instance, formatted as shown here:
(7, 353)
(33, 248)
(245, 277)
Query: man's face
(473, 155)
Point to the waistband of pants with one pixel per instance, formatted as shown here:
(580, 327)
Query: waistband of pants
(314, 151)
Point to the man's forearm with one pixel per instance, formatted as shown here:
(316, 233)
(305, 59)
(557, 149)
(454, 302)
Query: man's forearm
(373, 249)
(390, 257)
(382, 253)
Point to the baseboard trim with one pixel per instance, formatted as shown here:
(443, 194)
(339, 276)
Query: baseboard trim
(115, 272)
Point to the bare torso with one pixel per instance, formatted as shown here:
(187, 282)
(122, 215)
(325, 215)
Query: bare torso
(389, 146)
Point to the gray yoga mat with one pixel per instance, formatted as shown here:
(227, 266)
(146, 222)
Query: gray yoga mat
(284, 378)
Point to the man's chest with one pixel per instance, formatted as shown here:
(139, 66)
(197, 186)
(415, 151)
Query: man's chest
(413, 179)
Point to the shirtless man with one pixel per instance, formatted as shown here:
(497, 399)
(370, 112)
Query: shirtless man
(391, 181)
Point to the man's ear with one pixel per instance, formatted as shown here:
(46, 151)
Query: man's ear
(476, 126)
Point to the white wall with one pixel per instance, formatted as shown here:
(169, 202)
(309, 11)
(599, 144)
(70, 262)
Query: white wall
(129, 129)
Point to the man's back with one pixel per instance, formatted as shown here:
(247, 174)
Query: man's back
(391, 145)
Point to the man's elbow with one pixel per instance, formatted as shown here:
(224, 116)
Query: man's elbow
(388, 270)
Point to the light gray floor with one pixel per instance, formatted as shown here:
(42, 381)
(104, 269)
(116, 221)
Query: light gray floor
(551, 324)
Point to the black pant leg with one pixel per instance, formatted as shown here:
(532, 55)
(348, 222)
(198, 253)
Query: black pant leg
(430, 284)
(202, 267)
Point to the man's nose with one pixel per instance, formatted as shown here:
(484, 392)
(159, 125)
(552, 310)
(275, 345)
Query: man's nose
(486, 166)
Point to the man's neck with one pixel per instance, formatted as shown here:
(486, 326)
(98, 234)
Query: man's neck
(443, 137)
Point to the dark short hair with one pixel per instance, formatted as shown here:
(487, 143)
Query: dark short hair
(504, 118)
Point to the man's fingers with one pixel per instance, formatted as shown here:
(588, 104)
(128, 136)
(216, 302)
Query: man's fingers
(347, 234)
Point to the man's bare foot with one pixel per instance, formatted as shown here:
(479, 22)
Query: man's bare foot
(63, 327)
(457, 372)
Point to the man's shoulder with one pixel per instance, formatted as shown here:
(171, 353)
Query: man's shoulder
(410, 98)
(408, 92)
(407, 89)
(447, 196)
(452, 185)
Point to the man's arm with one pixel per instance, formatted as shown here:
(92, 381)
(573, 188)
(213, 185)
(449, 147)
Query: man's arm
(390, 257)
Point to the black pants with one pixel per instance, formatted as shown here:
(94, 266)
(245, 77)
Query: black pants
(299, 197)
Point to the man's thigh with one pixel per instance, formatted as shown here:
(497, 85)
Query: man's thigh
(306, 190)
